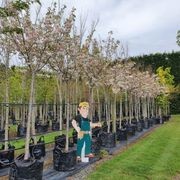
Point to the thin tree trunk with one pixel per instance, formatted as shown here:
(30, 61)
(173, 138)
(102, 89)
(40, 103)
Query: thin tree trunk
(43, 112)
(67, 117)
(40, 112)
(2, 116)
(99, 106)
(54, 106)
(126, 104)
(7, 102)
(114, 113)
(130, 107)
(107, 110)
(59, 84)
(120, 112)
(91, 103)
(33, 130)
(76, 95)
(26, 156)
(23, 114)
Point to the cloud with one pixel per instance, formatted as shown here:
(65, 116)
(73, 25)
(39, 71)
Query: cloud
(148, 26)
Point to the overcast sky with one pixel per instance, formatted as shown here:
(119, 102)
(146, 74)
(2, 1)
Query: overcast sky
(147, 26)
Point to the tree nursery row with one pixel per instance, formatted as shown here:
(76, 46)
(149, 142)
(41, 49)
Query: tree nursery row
(56, 65)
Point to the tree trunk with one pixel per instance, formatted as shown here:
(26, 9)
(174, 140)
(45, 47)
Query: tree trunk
(26, 156)
(54, 106)
(99, 106)
(126, 104)
(67, 117)
(114, 113)
(130, 107)
(2, 116)
(33, 130)
(76, 96)
(40, 112)
(59, 84)
(107, 103)
(7, 102)
(91, 103)
(23, 114)
(120, 112)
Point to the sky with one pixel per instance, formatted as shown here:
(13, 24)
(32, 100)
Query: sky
(145, 26)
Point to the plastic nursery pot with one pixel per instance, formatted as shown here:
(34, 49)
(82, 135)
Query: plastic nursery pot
(96, 131)
(31, 169)
(21, 131)
(42, 128)
(96, 145)
(151, 122)
(121, 134)
(146, 124)
(134, 121)
(55, 126)
(108, 139)
(63, 161)
(37, 150)
(157, 120)
(7, 157)
(142, 122)
(139, 126)
(131, 129)
(61, 141)
(124, 123)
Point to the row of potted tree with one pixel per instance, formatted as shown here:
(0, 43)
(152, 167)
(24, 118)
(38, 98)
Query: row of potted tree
(53, 44)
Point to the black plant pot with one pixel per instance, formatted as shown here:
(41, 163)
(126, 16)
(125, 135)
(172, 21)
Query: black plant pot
(42, 128)
(21, 131)
(96, 131)
(121, 134)
(131, 129)
(134, 121)
(63, 161)
(151, 122)
(139, 126)
(96, 145)
(55, 126)
(123, 123)
(146, 124)
(7, 157)
(37, 150)
(157, 120)
(108, 139)
(26, 170)
(142, 122)
(61, 141)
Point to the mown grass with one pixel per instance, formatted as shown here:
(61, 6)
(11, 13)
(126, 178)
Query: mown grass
(49, 138)
(156, 157)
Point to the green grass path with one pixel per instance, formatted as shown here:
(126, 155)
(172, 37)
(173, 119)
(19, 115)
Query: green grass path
(157, 157)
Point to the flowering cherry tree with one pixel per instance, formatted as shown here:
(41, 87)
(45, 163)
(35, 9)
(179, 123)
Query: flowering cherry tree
(32, 42)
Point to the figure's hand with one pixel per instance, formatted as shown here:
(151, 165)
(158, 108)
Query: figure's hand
(80, 134)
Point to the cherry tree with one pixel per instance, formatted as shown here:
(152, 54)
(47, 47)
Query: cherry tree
(6, 52)
(64, 55)
(32, 42)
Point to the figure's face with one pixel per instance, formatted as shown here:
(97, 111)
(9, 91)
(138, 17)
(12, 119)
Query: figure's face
(84, 111)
